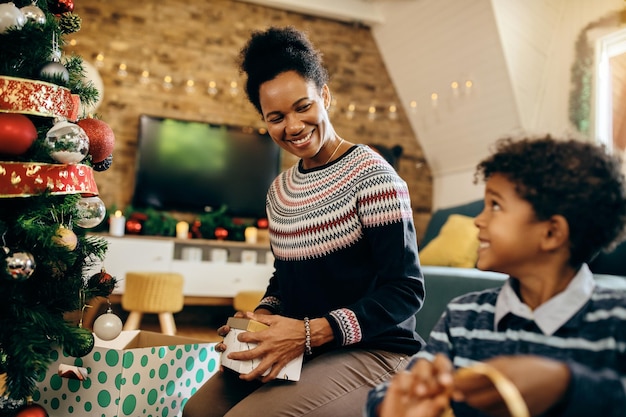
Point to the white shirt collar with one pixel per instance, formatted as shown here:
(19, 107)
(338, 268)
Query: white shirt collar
(555, 312)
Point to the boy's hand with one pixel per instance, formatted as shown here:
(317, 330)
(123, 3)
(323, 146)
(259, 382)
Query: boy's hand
(541, 382)
(422, 391)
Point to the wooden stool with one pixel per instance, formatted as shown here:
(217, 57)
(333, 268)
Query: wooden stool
(247, 300)
(153, 292)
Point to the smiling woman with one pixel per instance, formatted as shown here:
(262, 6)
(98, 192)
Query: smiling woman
(347, 282)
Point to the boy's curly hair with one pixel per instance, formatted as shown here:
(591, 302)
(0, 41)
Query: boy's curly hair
(276, 50)
(575, 179)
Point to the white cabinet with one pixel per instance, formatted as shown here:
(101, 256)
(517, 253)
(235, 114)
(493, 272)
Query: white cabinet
(234, 267)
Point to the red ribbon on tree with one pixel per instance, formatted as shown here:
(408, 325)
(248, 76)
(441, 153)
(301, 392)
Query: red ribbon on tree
(39, 98)
(25, 179)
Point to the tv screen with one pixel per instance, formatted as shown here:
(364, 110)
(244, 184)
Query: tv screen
(197, 167)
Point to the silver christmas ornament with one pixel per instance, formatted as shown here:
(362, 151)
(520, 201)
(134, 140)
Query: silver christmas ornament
(20, 265)
(67, 142)
(34, 14)
(54, 68)
(91, 212)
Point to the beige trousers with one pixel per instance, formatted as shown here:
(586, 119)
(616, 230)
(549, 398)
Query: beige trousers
(334, 384)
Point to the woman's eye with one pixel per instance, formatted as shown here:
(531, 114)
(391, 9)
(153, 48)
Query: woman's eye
(304, 108)
(275, 120)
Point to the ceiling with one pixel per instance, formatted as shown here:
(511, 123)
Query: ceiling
(368, 12)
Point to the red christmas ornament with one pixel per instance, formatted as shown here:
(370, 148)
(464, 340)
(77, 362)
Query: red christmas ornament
(31, 410)
(17, 133)
(102, 281)
(101, 138)
(221, 233)
(61, 6)
(262, 223)
(195, 229)
(133, 226)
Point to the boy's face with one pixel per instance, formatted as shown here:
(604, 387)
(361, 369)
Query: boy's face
(509, 232)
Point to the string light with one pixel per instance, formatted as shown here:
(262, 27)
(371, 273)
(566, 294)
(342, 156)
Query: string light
(434, 99)
(350, 111)
(122, 70)
(371, 113)
(145, 76)
(100, 60)
(393, 112)
(190, 86)
(234, 89)
(212, 89)
(167, 82)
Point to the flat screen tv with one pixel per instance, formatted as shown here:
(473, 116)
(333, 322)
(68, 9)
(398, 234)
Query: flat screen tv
(190, 166)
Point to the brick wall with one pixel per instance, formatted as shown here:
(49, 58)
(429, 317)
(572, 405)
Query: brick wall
(200, 41)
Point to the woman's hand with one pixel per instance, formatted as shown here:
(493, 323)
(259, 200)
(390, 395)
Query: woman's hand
(276, 346)
(223, 331)
(422, 391)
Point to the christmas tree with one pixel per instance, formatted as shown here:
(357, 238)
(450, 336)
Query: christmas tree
(49, 150)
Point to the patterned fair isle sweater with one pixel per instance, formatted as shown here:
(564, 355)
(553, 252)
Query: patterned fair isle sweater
(345, 249)
(591, 341)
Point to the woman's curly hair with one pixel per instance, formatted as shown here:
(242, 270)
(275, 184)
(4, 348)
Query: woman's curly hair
(578, 180)
(276, 50)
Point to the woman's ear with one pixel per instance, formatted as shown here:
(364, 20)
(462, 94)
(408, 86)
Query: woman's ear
(326, 96)
(557, 234)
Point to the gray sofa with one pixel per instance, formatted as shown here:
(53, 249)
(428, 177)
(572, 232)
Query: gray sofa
(444, 283)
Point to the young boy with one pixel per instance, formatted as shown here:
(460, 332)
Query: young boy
(550, 206)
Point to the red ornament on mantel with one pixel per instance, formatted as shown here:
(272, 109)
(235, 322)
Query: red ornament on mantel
(61, 6)
(133, 226)
(221, 233)
(31, 410)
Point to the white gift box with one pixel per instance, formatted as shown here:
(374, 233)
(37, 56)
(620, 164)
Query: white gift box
(238, 325)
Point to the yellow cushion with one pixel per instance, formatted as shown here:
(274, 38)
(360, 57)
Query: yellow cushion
(247, 300)
(455, 245)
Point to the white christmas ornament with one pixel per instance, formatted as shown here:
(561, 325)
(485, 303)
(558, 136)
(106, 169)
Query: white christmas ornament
(108, 326)
(10, 16)
(92, 75)
(67, 142)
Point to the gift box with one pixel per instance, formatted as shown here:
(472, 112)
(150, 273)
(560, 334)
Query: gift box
(137, 374)
(238, 325)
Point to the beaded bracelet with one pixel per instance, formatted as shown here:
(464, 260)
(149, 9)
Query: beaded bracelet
(307, 337)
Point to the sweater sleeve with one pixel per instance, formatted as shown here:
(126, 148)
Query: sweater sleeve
(593, 392)
(385, 212)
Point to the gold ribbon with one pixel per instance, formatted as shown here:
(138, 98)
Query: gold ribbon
(507, 390)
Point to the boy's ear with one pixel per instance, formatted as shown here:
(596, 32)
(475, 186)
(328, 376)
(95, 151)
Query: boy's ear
(557, 234)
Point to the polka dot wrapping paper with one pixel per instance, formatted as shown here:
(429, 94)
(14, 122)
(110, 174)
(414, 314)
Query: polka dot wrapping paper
(137, 374)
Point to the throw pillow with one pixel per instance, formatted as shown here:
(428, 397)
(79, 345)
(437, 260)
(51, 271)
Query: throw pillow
(455, 245)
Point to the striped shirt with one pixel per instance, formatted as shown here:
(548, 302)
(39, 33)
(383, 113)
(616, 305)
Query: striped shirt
(345, 249)
(583, 326)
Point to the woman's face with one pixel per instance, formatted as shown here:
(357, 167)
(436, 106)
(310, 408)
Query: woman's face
(294, 110)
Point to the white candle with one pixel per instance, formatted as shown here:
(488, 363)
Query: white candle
(251, 234)
(117, 224)
(182, 230)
